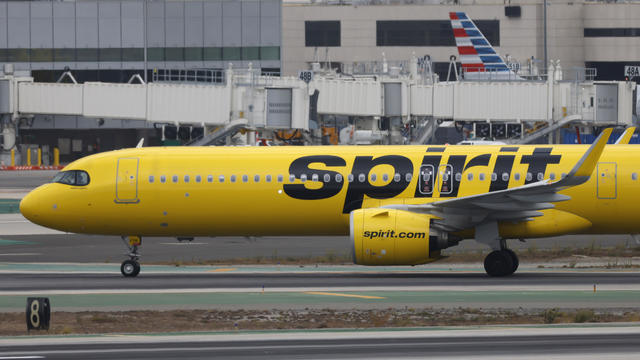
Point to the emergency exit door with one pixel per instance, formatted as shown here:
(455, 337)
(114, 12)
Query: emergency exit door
(127, 180)
(607, 180)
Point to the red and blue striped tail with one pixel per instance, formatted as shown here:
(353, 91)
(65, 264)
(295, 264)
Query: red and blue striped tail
(476, 54)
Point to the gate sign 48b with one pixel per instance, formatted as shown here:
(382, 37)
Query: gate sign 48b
(305, 75)
(631, 71)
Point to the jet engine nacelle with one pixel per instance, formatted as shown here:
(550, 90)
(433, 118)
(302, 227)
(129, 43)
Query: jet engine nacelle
(393, 237)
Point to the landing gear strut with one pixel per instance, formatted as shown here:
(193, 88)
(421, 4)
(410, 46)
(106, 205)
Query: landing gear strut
(501, 262)
(131, 267)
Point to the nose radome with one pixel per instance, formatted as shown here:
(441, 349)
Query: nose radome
(29, 207)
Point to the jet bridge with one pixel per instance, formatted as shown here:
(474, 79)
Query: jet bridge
(269, 103)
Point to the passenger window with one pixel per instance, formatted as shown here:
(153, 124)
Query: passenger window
(634, 176)
(529, 176)
(338, 178)
(505, 177)
(186, 178)
(481, 176)
(314, 177)
(458, 176)
(292, 178)
(552, 176)
(350, 178)
(175, 178)
(210, 178)
(397, 177)
(494, 177)
(303, 177)
(198, 178)
(221, 178)
(268, 178)
(373, 177)
(327, 178)
(385, 177)
(540, 176)
(151, 179)
(163, 179)
(256, 178)
(280, 178)
(361, 178)
(245, 178)
(470, 176)
(408, 177)
(232, 178)
(516, 176)
(564, 175)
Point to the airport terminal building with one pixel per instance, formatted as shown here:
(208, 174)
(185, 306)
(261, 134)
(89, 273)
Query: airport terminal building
(598, 34)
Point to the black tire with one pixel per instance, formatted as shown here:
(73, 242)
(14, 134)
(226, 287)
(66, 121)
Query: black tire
(137, 269)
(498, 263)
(130, 268)
(514, 258)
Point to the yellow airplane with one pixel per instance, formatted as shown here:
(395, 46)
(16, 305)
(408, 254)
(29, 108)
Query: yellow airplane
(400, 205)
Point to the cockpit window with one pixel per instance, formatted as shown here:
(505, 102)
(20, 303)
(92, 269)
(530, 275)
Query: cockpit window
(72, 177)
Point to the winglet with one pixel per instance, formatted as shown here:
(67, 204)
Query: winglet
(626, 136)
(584, 167)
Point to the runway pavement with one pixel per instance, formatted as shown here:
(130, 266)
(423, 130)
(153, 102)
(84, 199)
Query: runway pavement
(346, 287)
(480, 343)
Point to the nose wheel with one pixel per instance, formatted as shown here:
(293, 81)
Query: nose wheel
(131, 267)
(501, 263)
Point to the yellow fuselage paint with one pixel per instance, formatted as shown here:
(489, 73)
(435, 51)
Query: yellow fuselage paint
(121, 200)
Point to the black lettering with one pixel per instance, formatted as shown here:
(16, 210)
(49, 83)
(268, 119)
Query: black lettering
(301, 166)
(480, 160)
(363, 165)
(538, 162)
(504, 164)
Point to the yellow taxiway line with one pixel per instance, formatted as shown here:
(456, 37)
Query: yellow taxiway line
(343, 295)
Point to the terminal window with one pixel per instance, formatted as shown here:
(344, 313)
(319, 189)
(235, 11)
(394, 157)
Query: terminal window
(611, 32)
(322, 33)
(428, 32)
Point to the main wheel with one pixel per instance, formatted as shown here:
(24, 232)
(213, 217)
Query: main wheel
(130, 268)
(498, 263)
(514, 258)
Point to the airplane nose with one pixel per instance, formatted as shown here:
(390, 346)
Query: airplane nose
(29, 207)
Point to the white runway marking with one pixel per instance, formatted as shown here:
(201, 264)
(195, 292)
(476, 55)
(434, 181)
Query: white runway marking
(16, 224)
(183, 243)
(20, 254)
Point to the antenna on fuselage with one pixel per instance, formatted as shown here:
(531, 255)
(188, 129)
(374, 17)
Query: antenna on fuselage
(140, 143)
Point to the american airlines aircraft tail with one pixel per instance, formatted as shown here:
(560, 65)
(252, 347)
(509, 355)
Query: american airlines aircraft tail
(479, 59)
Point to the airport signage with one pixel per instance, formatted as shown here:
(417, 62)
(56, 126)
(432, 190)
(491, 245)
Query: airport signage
(305, 75)
(631, 71)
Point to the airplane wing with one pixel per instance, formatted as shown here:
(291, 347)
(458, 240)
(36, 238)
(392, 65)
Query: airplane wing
(626, 136)
(521, 203)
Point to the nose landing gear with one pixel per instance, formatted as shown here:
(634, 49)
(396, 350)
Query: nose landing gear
(131, 267)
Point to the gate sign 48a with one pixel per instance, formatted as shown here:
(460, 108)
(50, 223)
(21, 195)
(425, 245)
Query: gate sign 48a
(631, 71)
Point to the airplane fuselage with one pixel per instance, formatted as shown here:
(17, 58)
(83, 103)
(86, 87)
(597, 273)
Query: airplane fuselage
(214, 191)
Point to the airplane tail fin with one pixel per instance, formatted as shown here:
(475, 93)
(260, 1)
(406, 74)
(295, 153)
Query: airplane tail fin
(479, 59)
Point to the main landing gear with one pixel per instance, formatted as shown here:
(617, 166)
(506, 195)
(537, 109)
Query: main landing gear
(501, 262)
(131, 267)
